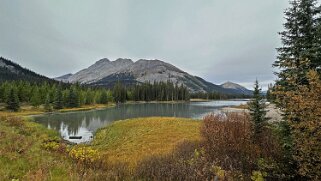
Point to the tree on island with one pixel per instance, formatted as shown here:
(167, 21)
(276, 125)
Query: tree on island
(13, 100)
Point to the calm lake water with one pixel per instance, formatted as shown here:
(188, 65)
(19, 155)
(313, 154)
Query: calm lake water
(84, 124)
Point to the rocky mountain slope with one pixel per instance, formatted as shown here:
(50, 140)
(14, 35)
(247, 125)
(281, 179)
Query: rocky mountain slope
(236, 87)
(106, 73)
(63, 78)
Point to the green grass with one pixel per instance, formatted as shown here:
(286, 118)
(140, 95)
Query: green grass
(22, 156)
(24, 152)
(130, 141)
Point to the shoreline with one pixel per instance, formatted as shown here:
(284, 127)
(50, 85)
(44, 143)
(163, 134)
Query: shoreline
(273, 112)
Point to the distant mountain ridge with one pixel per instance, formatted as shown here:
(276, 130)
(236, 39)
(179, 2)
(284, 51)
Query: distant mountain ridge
(106, 73)
(10, 71)
(236, 87)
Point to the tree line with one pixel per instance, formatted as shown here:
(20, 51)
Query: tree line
(59, 96)
(218, 96)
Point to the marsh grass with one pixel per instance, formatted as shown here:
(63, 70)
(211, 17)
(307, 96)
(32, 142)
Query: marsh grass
(27, 110)
(129, 141)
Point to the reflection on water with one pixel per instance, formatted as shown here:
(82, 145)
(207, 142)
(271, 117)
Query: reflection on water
(86, 123)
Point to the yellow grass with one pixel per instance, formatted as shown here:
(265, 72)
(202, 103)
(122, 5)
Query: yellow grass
(242, 106)
(87, 107)
(27, 110)
(200, 100)
(129, 141)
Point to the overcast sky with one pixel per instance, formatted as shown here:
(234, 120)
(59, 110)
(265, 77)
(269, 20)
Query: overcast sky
(219, 40)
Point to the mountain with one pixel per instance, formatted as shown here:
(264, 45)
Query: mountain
(100, 70)
(63, 78)
(10, 71)
(106, 73)
(237, 88)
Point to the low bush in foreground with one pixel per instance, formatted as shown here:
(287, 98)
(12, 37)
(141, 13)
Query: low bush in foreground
(227, 151)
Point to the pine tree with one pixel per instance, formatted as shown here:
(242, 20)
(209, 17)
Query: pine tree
(303, 114)
(58, 99)
(73, 98)
(35, 98)
(48, 106)
(13, 100)
(103, 97)
(257, 108)
(120, 93)
(300, 43)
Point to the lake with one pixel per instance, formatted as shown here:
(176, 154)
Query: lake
(85, 123)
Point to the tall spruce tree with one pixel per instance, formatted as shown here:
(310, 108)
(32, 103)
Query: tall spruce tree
(58, 99)
(301, 42)
(257, 108)
(103, 97)
(35, 98)
(48, 106)
(73, 98)
(13, 100)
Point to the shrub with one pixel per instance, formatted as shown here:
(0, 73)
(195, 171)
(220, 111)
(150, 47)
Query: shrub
(185, 163)
(228, 143)
(54, 144)
(85, 155)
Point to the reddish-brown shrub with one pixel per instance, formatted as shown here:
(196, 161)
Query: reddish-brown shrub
(228, 141)
(185, 163)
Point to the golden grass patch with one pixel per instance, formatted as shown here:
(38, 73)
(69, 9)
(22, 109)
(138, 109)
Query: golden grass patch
(129, 141)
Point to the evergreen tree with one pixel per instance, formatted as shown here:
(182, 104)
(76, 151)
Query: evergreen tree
(35, 98)
(73, 98)
(257, 108)
(103, 97)
(58, 99)
(119, 93)
(269, 93)
(301, 45)
(48, 106)
(13, 100)
(90, 97)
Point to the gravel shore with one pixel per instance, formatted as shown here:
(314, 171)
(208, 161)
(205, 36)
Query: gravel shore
(272, 112)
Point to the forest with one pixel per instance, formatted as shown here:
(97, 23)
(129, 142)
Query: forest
(60, 95)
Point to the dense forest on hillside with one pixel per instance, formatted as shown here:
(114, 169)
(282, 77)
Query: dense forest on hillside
(11, 71)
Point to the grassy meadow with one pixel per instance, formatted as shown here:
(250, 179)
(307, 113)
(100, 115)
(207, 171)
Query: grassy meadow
(23, 155)
(31, 152)
(132, 140)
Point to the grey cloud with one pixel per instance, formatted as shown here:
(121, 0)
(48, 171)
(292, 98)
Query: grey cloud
(218, 40)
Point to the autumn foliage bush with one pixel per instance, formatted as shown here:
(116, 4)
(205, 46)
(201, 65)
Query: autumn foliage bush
(302, 111)
(227, 151)
(185, 163)
(228, 143)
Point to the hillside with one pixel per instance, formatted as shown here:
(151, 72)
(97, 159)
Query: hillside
(10, 71)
